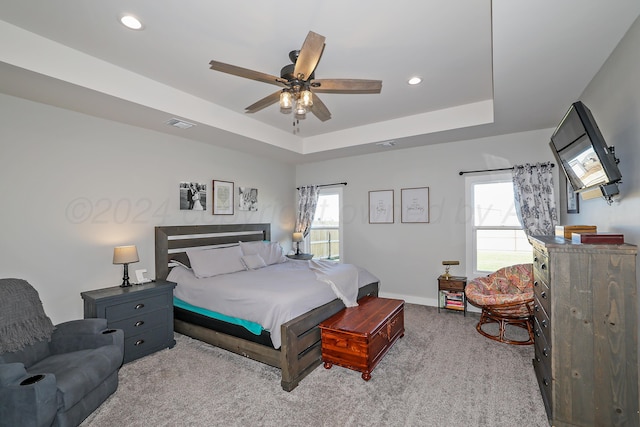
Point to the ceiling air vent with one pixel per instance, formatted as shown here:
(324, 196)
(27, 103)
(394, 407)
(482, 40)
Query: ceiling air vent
(180, 123)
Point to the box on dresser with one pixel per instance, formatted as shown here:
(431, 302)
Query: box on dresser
(602, 238)
(144, 312)
(586, 332)
(567, 230)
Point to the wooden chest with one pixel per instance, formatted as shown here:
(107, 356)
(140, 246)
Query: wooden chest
(358, 337)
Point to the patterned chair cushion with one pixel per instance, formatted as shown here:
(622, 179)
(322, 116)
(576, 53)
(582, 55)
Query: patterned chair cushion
(508, 285)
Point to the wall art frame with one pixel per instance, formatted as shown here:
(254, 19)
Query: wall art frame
(415, 205)
(573, 204)
(223, 197)
(381, 207)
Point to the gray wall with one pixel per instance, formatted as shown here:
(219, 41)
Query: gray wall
(613, 96)
(407, 257)
(74, 187)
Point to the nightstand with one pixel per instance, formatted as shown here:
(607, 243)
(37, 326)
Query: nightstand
(451, 293)
(144, 312)
(301, 256)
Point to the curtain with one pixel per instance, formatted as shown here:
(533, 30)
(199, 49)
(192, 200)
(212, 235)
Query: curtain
(307, 202)
(534, 199)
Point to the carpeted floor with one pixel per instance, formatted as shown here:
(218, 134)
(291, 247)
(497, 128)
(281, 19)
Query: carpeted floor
(442, 373)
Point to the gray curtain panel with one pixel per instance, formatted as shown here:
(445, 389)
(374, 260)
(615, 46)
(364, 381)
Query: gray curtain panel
(307, 202)
(534, 198)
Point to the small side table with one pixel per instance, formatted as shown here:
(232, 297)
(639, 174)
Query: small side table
(144, 312)
(301, 256)
(451, 293)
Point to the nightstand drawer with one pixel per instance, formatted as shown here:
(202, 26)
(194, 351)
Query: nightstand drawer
(140, 322)
(145, 343)
(136, 307)
(452, 285)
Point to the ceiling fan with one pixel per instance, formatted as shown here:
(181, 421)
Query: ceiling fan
(298, 82)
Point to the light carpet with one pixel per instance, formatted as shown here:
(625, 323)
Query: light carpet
(441, 373)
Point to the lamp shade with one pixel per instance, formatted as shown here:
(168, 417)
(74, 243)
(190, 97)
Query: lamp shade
(125, 254)
(297, 237)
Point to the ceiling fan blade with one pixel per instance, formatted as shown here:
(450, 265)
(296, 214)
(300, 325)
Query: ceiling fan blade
(246, 73)
(319, 109)
(264, 102)
(309, 56)
(346, 86)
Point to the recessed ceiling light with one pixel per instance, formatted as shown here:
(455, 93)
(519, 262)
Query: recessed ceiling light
(415, 80)
(131, 22)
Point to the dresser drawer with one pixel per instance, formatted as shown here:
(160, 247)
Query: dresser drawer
(147, 342)
(135, 307)
(542, 298)
(543, 351)
(541, 265)
(544, 383)
(542, 324)
(140, 322)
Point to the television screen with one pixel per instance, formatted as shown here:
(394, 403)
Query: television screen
(582, 152)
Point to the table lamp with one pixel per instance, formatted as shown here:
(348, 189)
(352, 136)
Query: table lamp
(125, 255)
(448, 265)
(297, 237)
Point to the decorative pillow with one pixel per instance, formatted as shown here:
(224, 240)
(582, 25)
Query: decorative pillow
(213, 262)
(271, 252)
(253, 262)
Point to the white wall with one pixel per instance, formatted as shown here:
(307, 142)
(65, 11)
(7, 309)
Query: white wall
(74, 186)
(407, 257)
(613, 97)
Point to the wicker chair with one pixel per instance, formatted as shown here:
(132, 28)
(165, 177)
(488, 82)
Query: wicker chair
(506, 298)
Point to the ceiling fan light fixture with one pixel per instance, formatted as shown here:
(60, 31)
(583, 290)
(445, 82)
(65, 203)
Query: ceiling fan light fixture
(306, 99)
(286, 101)
(300, 111)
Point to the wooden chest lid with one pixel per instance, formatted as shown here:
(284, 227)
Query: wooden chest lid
(365, 319)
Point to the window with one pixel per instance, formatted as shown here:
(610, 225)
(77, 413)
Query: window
(495, 237)
(323, 240)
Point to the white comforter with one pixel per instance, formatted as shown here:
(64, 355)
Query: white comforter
(269, 296)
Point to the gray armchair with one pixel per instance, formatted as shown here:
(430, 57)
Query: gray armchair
(52, 376)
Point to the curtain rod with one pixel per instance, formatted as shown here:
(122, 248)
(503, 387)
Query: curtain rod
(328, 185)
(501, 169)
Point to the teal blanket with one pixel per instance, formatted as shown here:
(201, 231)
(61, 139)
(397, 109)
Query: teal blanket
(252, 327)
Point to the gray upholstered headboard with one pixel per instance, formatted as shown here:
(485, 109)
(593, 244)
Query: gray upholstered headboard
(173, 241)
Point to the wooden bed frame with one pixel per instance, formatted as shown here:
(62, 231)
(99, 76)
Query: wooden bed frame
(300, 352)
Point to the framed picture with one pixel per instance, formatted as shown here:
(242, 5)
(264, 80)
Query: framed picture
(193, 196)
(381, 207)
(415, 204)
(222, 197)
(573, 206)
(247, 199)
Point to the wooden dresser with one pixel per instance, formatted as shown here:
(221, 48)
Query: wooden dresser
(586, 332)
(358, 337)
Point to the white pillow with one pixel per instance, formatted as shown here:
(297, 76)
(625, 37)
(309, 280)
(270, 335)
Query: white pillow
(253, 262)
(213, 262)
(271, 252)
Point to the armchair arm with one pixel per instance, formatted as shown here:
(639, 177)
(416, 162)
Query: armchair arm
(81, 326)
(26, 400)
(84, 334)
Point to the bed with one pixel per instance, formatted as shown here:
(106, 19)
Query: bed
(299, 352)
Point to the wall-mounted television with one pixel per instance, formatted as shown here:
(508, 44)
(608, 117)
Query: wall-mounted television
(582, 152)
